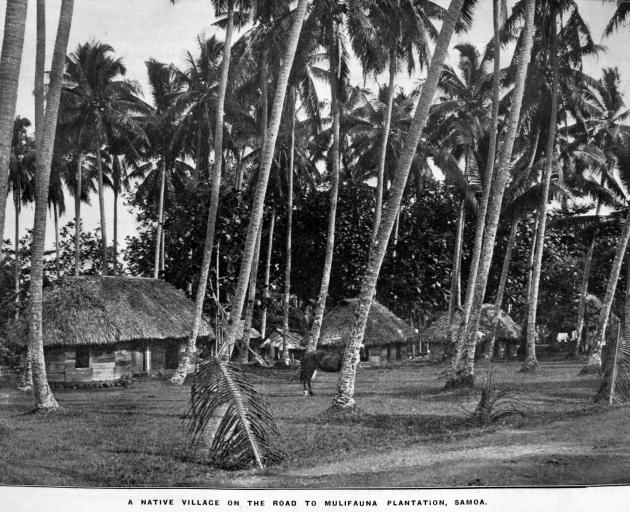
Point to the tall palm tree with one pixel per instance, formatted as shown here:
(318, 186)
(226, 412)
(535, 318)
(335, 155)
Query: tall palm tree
(388, 35)
(10, 60)
(345, 387)
(600, 129)
(104, 105)
(326, 20)
(622, 153)
(21, 171)
(618, 18)
(221, 8)
(44, 399)
(299, 13)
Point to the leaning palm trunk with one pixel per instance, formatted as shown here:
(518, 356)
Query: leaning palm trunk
(265, 167)
(287, 270)
(101, 203)
(77, 220)
(251, 302)
(488, 177)
(531, 362)
(464, 369)
(595, 357)
(498, 301)
(313, 335)
(387, 122)
(10, 61)
(44, 399)
(158, 233)
(191, 348)
(263, 321)
(345, 387)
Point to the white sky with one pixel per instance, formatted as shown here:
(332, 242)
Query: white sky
(143, 29)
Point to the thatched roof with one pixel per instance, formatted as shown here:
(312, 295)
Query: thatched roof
(383, 327)
(439, 330)
(94, 310)
(276, 340)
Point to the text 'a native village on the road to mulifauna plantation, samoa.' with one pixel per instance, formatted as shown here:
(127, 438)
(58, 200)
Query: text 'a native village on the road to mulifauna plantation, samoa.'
(295, 504)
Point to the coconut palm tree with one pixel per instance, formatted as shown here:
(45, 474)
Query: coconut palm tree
(44, 399)
(299, 13)
(600, 129)
(345, 387)
(389, 35)
(104, 105)
(21, 171)
(10, 60)
(622, 153)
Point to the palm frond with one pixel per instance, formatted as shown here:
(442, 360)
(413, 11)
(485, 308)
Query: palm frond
(614, 379)
(246, 432)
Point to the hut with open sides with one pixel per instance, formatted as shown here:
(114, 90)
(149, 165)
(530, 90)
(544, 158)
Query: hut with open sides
(386, 335)
(437, 336)
(107, 329)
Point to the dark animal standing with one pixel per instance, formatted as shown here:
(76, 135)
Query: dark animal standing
(318, 360)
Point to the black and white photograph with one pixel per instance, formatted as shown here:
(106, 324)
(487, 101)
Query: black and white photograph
(314, 255)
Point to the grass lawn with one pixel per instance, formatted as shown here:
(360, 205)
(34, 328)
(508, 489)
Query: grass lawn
(406, 432)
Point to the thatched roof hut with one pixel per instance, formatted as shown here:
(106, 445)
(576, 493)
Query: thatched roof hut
(94, 310)
(439, 331)
(383, 327)
(276, 340)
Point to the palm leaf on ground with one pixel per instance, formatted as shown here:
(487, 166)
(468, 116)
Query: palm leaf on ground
(246, 431)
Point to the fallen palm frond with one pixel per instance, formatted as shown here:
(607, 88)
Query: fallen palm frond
(494, 404)
(614, 377)
(246, 432)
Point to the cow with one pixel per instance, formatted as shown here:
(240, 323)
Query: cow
(317, 360)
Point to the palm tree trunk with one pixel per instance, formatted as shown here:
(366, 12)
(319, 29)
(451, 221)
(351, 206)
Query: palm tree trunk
(595, 357)
(115, 231)
(583, 294)
(158, 232)
(287, 269)
(18, 262)
(531, 363)
(265, 168)
(488, 175)
(197, 160)
(57, 254)
(191, 348)
(101, 203)
(584, 287)
(498, 300)
(464, 374)
(313, 335)
(263, 321)
(77, 220)
(456, 289)
(345, 387)
(39, 89)
(387, 122)
(44, 399)
(163, 251)
(251, 302)
(10, 60)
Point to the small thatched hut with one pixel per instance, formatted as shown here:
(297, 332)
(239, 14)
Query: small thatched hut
(385, 334)
(104, 329)
(274, 344)
(437, 335)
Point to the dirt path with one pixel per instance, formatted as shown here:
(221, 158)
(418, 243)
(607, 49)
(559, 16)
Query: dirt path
(575, 451)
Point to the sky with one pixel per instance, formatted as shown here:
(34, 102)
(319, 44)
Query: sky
(143, 29)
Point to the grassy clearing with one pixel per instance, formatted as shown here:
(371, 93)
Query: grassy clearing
(405, 427)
